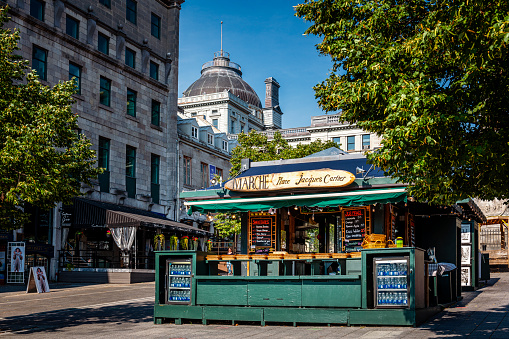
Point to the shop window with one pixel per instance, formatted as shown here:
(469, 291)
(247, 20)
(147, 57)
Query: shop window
(154, 70)
(103, 44)
(103, 160)
(105, 91)
(154, 178)
(155, 27)
(72, 27)
(130, 171)
(131, 102)
(204, 175)
(350, 143)
(130, 57)
(131, 11)
(187, 170)
(219, 172)
(156, 113)
(40, 62)
(37, 8)
(366, 144)
(106, 3)
(75, 73)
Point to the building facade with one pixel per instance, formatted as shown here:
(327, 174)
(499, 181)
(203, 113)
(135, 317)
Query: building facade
(123, 56)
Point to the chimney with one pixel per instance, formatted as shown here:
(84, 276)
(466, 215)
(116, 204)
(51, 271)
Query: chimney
(271, 92)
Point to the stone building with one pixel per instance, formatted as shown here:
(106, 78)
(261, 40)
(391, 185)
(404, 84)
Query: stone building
(124, 58)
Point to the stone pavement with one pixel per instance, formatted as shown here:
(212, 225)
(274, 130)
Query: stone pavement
(105, 311)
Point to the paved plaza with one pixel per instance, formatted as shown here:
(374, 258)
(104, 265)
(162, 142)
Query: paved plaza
(125, 311)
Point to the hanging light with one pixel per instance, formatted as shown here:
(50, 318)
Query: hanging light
(296, 208)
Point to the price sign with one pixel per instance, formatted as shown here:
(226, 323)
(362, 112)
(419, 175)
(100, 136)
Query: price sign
(355, 224)
(261, 231)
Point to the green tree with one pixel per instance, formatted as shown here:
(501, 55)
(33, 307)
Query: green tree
(258, 147)
(430, 77)
(227, 224)
(43, 159)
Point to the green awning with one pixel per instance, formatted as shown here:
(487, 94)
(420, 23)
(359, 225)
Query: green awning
(346, 199)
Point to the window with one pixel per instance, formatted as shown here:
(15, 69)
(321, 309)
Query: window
(337, 140)
(194, 132)
(219, 172)
(75, 73)
(242, 126)
(106, 3)
(130, 171)
(40, 62)
(103, 44)
(72, 27)
(37, 9)
(204, 175)
(215, 123)
(210, 138)
(366, 141)
(103, 161)
(225, 145)
(105, 91)
(232, 127)
(154, 70)
(131, 10)
(154, 178)
(350, 143)
(155, 27)
(214, 111)
(131, 102)
(156, 113)
(130, 57)
(187, 170)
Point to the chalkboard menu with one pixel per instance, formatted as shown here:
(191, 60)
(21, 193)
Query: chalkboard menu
(354, 229)
(261, 232)
(355, 224)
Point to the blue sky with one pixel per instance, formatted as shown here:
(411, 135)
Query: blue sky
(265, 39)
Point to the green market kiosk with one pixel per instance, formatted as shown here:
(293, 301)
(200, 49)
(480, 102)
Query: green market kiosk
(304, 257)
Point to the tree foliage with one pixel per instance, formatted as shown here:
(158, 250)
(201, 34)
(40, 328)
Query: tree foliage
(430, 77)
(227, 224)
(43, 159)
(258, 147)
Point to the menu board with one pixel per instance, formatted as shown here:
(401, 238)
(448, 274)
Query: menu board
(261, 231)
(355, 224)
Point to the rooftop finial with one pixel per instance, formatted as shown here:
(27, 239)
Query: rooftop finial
(221, 38)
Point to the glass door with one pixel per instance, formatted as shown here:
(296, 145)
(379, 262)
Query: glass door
(179, 273)
(391, 282)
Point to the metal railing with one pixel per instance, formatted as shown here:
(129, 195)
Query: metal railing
(70, 259)
(493, 240)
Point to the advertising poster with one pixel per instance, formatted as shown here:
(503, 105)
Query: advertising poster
(38, 281)
(2, 261)
(465, 255)
(17, 259)
(465, 276)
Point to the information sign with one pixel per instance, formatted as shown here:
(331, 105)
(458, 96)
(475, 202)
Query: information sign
(261, 232)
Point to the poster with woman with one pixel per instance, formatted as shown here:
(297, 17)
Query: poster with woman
(38, 281)
(18, 259)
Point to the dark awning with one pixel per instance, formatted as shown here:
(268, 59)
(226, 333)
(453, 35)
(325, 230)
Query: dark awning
(89, 213)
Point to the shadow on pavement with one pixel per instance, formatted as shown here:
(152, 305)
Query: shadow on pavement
(53, 321)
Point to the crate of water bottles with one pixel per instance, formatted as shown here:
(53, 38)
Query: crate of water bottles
(398, 282)
(392, 269)
(180, 269)
(180, 295)
(180, 282)
(392, 298)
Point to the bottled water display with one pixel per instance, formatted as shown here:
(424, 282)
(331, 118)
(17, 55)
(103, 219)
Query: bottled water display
(179, 282)
(392, 283)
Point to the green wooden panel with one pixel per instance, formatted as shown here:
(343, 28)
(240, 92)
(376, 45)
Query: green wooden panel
(331, 293)
(399, 317)
(274, 292)
(306, 315)
(233, 313)
(221, 292)
(178, 311)
(353, 266)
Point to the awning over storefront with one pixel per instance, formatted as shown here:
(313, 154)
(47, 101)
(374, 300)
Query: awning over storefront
(90, 214)
(346, 199)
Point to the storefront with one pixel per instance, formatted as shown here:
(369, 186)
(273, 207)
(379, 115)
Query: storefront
(319, 239)
(103, 242)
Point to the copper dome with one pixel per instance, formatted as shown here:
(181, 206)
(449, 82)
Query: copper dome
(219, 75)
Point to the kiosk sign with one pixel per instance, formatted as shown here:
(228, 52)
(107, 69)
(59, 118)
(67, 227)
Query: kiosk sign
(261, 232)
(323, 178)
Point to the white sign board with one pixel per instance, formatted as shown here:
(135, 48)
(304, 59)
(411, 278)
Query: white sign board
(37, 281)
(17, 259)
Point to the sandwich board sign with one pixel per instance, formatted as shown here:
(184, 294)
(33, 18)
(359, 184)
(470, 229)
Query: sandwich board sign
(37, 280)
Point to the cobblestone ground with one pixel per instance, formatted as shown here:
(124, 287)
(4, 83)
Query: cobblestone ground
(125, 311)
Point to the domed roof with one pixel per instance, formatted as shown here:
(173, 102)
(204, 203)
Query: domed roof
(219, 75)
